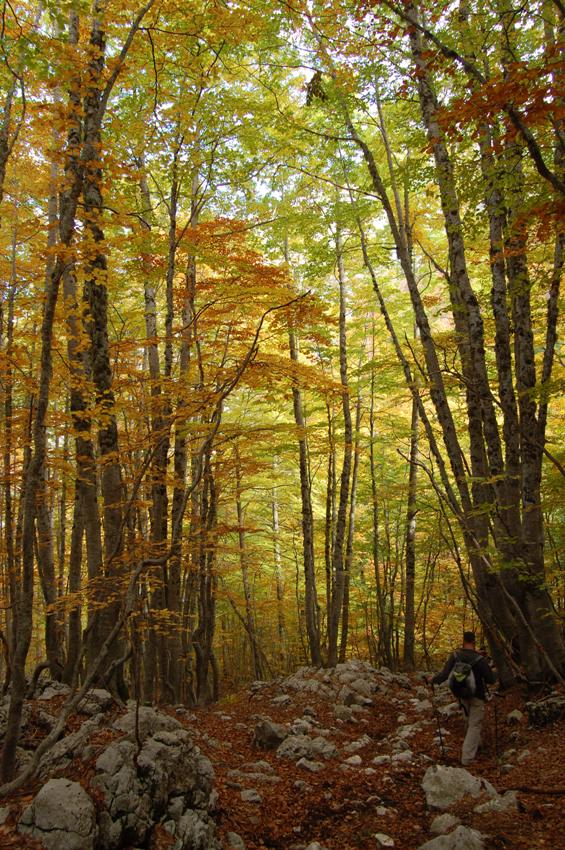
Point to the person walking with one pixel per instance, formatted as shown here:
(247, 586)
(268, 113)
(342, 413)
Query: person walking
(467, 673)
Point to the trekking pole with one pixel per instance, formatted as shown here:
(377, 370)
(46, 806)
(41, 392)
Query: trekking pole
(436, 712)
(496, 744)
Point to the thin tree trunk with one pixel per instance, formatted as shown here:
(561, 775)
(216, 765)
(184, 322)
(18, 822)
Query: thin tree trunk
(349, 548)
(279, 581)
(338, 554)
(409, 660)
(249, 614)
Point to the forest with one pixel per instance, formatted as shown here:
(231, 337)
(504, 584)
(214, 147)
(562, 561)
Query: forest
(280, 375)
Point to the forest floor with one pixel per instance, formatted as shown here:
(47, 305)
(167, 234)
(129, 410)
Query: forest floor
(343, 807)
(339, 808)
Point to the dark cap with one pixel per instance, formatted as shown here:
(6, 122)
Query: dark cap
(468, 637)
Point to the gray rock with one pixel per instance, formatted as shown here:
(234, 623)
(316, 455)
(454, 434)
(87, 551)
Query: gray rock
(268, 735)
(325, 749)
(97, 699)
(525, 754)
(405, 756)
(143, 722)
(312, 766)
(422, 705)
(384, 840)
(295, 747)
(462, 838)
(257, 777)
(343, 713)
(235, 841)
(168, 775)
(442, 824)
(315, 845)
(4, 814)
(515, 716)
(354, 761)
(361, 742)
(196, 832)
(55, 689)
(363, 687)
(501, 803)
(546, 711)
(301, 727)
(445, 786)
(61, 817)
(251, 795)
(282, 700)
(260, 767)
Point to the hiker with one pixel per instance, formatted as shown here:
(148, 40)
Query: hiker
(467, 673)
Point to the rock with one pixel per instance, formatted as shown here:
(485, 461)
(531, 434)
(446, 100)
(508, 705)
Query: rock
(142, 722)
(167, 781)
(384, 759)
(408, 731)
(96, 700)
(445, 786)
(384, 840)
(506, 768)
(301, 727)
(235, 841)
(323, 748)
(501, 803)
(54, 689)
(260, 767)
(462, 838)
(281, 700)
(251, 795)
(406, 756)
(515, 716)
(354, 761)
(523, 756)
(253, 776)
(543, 712)
(268, 735)
(422, 705)
(46, 721)
(301, 746)
(4, 814)
(443, 824)
(61, 817)
(312, 766)
(315, 845)
(343, 713)
(361, 742)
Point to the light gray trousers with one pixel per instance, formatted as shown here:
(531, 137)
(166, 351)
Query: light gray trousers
(474, 713)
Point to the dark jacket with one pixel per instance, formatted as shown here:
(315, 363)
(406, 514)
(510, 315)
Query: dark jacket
(483, 673)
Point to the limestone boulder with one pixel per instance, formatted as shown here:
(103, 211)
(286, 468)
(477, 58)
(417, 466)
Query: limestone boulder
(61, 817)
(444, 786)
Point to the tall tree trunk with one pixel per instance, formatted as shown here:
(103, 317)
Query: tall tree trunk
(338, 554)
(203, 635)
(409, 660)
(279, 581)
(310, 594)
(96, 298)
(349, 547)
(249, 614)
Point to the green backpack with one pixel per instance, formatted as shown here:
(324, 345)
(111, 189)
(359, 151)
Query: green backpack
(461, 680)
